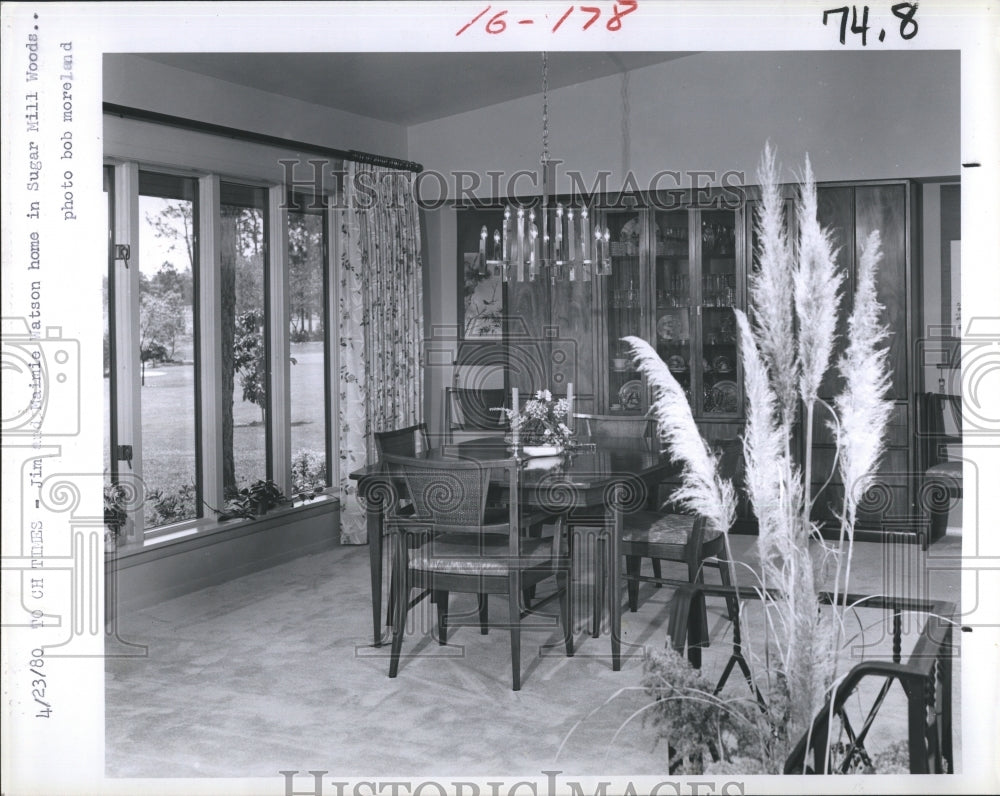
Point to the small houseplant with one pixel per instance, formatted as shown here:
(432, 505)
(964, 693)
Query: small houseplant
(252, 501)
(115, 515)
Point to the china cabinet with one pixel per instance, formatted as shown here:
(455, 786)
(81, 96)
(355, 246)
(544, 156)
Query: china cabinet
(677, 273)
(676, 276)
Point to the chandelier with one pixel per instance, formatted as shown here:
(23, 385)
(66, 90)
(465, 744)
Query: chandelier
(562, 242)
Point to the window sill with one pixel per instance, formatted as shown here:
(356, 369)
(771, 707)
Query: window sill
(209, 531)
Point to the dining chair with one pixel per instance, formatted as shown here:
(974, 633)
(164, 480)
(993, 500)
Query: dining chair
(472, 409)
(939, 424)
(681, 538)
(602, 428)
(472, 547)
(408, 441)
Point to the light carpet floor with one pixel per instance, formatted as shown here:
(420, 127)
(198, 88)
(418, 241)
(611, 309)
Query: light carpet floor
(275, 671)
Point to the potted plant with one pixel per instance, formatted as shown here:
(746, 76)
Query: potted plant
(115, 515)
(252, 501)
(796, 688)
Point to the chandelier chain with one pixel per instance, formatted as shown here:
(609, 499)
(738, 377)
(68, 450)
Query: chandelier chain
(545, 108)
(626, 128)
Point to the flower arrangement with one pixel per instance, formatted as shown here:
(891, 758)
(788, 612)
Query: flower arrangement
(786, 350)
(541, 421)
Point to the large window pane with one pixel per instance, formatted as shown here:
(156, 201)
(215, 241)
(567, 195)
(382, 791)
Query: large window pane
(243, 360)
(108, 434)
(308, 397)
(168, 347)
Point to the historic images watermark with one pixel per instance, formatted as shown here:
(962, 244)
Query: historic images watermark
(551, 785)
(316, 183)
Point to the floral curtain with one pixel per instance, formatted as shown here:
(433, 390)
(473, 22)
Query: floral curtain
(380, 323)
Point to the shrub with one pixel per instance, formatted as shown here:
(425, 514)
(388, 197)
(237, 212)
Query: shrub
(308, 470)
(162, 509)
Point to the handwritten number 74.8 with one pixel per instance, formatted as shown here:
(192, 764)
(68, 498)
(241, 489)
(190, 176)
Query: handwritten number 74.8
(497, 24)
(904, 12)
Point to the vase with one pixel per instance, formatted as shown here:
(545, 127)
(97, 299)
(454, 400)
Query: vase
(532, 451)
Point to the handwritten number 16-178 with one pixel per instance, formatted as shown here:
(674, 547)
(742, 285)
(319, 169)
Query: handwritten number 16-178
(497, 24)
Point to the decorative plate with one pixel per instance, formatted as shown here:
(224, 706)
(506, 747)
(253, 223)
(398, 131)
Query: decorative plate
(665, 327)
(721, 365)
(630, 395)
(724, 396)
(677, 364)
(630, 232)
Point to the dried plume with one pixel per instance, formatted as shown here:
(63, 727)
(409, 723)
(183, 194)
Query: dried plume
(768, 464)
(771, 290)
(862, 406)
(817, 292)
(702, 490)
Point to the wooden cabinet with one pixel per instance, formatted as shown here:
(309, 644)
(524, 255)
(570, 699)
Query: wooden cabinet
(676, 276)
(851, 212)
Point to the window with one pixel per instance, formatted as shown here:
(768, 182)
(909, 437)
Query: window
(222, 345)
(244, 343)
(308, 342)
(168, 346)
(109, 329)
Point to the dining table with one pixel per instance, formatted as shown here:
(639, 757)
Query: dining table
(607, 475)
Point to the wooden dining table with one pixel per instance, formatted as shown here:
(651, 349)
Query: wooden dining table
(617, 475)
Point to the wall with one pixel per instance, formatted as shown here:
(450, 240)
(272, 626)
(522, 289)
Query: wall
(859, 115)
(138, 82)
(159, 572)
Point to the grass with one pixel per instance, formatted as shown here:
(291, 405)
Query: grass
(168, 421)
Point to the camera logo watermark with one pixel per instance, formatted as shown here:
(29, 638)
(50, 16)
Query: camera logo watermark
(41, 381)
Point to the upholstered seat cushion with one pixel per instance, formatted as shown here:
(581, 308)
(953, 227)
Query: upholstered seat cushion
(663, 529)
(480, 555)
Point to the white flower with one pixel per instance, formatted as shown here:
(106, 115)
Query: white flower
(543, 395)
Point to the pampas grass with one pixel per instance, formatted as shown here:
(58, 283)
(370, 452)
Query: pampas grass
(771, 291)
(785, 347)
(702, 490)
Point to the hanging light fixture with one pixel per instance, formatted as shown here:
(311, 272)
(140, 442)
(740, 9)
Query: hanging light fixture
(566, 242)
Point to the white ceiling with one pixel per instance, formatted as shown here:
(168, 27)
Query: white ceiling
(407, 88)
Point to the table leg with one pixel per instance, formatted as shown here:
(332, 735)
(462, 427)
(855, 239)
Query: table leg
(375, 561)
(612, 566)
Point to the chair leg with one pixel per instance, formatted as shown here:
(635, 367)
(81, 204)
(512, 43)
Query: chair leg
(401, 605)
(657, 573)
(441, 598)
(564, 584)
(632, 564)
(513, 595)
(484, 613)
(598, 608)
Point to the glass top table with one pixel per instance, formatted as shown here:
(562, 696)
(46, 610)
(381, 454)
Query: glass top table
(614, 474)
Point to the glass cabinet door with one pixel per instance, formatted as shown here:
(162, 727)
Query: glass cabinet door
(625, 297)
(672, 278)
(720, 391)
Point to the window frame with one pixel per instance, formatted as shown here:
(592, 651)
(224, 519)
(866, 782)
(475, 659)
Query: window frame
(295, 202)
(124, 317)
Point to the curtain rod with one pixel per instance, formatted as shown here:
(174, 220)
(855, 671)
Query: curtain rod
(138, 114)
